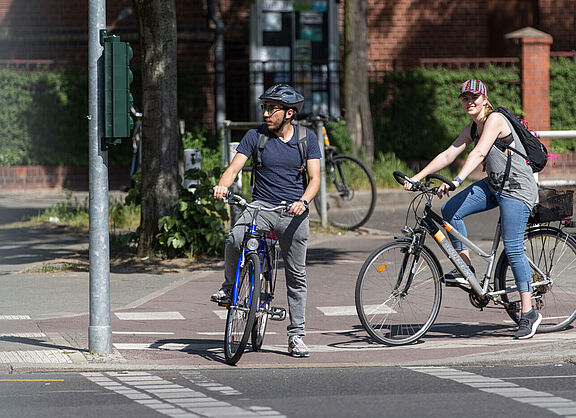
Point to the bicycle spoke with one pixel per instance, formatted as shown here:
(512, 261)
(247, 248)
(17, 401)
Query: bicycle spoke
(554, 254)
(391, 311)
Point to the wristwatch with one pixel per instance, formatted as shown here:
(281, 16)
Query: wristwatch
(305, 202)
(459, 180)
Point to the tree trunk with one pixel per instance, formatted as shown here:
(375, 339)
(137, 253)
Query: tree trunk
(160, 140)
(356, 93)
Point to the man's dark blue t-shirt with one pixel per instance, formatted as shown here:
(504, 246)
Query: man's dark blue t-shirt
(279, 178)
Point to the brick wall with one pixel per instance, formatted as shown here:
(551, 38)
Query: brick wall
(58, 178)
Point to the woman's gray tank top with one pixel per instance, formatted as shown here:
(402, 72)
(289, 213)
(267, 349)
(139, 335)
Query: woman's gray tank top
(520, 183)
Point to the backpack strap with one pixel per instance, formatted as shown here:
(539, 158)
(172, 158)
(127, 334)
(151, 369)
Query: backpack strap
(257, 156)
(302, 132)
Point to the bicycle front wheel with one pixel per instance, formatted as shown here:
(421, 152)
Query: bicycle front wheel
(398, 296)
(350, 192)
(240, 319)
(554, 253)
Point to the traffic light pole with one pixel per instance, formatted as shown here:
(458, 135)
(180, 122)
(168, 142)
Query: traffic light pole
(99, 331)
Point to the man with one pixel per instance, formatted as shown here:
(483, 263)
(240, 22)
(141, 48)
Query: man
(280, 178)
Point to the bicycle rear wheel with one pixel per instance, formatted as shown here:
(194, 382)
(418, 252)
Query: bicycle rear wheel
(267, 285)
(240, 319)
(554, 252)
(350, 192)
(391, 310)
(261, 320)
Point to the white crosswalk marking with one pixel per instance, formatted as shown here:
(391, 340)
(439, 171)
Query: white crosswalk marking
(34, 356)
(175, 400)
(540, 399)
(149, 316)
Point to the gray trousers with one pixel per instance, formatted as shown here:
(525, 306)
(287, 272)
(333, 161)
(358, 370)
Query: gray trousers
(292, 233)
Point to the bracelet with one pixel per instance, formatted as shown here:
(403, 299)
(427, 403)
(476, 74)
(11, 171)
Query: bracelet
(304, 202)
(459, 180)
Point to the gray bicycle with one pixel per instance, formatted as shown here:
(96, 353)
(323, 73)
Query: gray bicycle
(398, 290)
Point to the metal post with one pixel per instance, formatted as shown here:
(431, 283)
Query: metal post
(236, 187)
(99, 330)
(323, 205)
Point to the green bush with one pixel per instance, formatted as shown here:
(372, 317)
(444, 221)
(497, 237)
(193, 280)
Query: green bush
(417, 114)
(198, 227)
(562, 102)
(339, 137)
(43, 119)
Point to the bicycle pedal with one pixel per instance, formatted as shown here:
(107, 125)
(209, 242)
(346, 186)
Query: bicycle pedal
(277, 314)
(224, 304)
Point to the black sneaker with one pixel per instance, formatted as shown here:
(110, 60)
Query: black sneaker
(528, 324)
(455, 278)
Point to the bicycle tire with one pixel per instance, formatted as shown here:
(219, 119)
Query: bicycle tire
(261, 320)
(389, 315)
(240, 318)
(554, 252)
(350, 192)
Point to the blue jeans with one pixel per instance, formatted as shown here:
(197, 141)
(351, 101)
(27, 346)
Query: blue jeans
(513, 215)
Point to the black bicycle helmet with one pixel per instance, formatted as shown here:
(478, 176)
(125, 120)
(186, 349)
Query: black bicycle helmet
(285, 94)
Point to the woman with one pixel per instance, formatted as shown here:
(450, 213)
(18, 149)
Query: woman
(514, 190)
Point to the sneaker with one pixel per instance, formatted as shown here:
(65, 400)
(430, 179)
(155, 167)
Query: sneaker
(296, 347)
(221, 296)
(454, 277)
(528, 324)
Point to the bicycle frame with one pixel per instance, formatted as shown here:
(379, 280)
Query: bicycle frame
(263, 252)
(431, 222)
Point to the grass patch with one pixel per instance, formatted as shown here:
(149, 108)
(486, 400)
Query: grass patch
(76, 214)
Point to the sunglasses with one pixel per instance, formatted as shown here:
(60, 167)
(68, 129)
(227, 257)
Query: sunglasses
(270, 108)
(470, 97)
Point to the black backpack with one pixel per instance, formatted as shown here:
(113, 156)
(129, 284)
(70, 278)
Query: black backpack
(263, 137)
(536, 153)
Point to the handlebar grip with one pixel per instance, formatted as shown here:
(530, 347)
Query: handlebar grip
(400, 177)
(442, 179)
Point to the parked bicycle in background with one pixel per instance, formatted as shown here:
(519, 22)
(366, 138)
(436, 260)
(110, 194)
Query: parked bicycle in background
(350, 187)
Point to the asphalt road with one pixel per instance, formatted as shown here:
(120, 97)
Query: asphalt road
(403, 392)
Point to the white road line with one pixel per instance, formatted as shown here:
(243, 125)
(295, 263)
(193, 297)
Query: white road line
(149, 316)
(141, 333)
(221, 313)
(544, 400)
(176, 400)
(24, 334)
(351, 310)
(499, 342)
(14, 317)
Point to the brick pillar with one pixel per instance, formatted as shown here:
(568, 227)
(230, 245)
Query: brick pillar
(535, 57)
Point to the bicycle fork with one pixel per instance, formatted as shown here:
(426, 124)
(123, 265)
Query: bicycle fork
(413, 250)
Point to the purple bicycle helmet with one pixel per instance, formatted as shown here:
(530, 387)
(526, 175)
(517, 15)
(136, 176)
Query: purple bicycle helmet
(285, 94)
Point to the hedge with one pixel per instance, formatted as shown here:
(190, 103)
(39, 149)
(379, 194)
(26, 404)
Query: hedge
(416, 112)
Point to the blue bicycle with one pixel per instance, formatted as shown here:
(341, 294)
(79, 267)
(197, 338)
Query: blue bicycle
(254, 285)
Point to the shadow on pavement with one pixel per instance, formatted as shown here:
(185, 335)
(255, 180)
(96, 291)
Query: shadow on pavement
(199, 347)
(19, 246)
(39, 343)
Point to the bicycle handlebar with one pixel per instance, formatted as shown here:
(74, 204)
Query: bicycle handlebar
(234, 199)
(400, 177)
